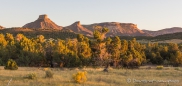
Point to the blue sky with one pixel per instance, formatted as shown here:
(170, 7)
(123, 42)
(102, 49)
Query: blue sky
(147, 14)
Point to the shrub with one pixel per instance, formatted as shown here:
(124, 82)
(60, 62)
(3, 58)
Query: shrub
(49, 74)
(11, 64)
(46, 69)
(80, 77)
(31, 76)
(176, 68)
(160, 67)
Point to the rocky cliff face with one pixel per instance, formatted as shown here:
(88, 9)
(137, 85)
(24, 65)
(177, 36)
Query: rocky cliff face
(118, 29)
(43, 22)
(164, 31)
(78, 28)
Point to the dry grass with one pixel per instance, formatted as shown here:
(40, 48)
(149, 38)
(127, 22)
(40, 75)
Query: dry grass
(95, 77)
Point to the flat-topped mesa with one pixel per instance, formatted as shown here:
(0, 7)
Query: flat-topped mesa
(118, 29)
(44, 16)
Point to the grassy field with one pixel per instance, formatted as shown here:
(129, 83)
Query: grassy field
(144, 76)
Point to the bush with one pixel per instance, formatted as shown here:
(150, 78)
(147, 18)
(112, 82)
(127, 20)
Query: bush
(80, 77)
(176, 68)
(11, 64)
(46, 69)
(49, 74)
(31, 76)
(160, 67)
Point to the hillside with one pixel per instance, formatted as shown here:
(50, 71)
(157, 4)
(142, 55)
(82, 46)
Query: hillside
(43, 22)
(164, 31)
(56, 34)
(177, 35)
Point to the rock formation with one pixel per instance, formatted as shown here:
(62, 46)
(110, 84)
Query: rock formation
(43, 22)
(115, 28)
(78, 28)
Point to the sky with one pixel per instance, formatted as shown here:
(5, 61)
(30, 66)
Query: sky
(147, 14)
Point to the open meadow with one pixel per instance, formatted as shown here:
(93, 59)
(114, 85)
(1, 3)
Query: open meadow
(144, 76)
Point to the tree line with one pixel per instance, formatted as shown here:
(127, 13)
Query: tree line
(84, 51)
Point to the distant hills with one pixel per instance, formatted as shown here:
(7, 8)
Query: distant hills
(164, 31)
(115, 28)
(43, 23)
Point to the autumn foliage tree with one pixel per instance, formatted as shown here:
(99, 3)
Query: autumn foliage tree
(98, 50)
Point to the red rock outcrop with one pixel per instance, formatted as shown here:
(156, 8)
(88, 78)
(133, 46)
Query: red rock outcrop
(43, 22)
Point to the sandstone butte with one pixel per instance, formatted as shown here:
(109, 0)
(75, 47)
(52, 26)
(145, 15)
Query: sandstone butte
(43, 22)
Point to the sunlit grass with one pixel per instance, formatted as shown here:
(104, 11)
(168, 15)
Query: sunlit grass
(95, 77)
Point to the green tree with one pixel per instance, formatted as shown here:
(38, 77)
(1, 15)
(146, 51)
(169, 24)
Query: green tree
(98, 46)
(115, 50)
